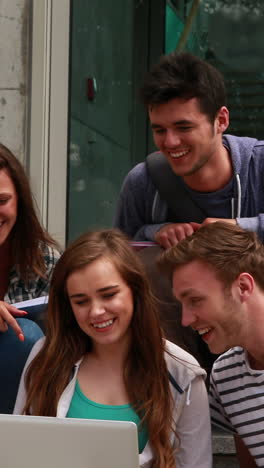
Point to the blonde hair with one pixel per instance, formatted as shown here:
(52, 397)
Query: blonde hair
(227, 248)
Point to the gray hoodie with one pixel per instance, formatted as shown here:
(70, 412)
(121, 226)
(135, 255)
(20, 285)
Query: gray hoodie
(141, 212)
(190, 412)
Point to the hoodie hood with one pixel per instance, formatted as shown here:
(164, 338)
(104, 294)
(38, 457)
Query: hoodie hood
(241, 150)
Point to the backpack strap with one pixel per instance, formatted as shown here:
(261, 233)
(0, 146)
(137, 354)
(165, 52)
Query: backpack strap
(182, 208)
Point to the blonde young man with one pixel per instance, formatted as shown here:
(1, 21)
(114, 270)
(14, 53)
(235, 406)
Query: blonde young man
(218, 276)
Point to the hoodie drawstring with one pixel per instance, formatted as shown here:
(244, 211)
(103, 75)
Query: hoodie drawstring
(188, 401)
(238, 196)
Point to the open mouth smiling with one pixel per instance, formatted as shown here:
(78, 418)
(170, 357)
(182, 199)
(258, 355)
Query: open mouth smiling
(202, 331)
(105, 324)
(179, 154)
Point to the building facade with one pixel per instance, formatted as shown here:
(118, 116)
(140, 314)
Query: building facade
(70, 74)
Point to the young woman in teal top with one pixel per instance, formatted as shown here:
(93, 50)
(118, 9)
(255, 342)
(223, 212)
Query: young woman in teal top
(104, 356)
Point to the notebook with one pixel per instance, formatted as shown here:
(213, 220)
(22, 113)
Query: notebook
(41, 442)
(33, 306)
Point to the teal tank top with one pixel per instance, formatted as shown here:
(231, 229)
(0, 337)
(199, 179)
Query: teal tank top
(82, 407)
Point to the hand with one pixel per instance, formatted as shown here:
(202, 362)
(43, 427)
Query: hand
(6, 318)
(214, 220)
(170, 234)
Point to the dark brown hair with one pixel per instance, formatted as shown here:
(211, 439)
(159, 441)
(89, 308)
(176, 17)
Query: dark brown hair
(183, 75)
(145, 372)
(227, 248)
(27, 236)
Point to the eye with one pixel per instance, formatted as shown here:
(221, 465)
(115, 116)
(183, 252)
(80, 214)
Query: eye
(80, 302)
(185, 129)
(109, 295)
(3, 201)
(158, 131)
(195, 300)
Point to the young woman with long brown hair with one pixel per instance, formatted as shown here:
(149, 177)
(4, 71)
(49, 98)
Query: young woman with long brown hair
(27, 257)
(104, 356)
(28, 253)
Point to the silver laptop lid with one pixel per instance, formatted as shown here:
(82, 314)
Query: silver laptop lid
(42, 442)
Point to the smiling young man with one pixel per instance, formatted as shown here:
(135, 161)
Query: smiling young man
(217, 275)
(218, 176)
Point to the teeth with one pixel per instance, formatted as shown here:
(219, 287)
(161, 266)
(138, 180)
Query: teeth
(179, 155)
(103, 324)
(203, 331)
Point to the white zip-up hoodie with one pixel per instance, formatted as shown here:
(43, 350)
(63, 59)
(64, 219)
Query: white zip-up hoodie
(191, 411)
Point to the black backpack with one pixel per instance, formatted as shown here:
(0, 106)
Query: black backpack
(182, 208)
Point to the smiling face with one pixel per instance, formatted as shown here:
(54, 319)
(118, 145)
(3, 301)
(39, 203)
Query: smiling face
(8, 206)
(216, 314)
(102, 303)
(185, 135)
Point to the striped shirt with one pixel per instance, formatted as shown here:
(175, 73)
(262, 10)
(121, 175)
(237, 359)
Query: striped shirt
(237, 400)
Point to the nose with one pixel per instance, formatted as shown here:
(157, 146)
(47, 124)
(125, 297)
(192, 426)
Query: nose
(97, 309)
(171, 139)
(188, 317)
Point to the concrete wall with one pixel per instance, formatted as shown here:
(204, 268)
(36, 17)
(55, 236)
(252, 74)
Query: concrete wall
(14, 77)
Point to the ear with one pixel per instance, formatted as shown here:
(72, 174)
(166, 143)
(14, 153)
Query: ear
(222, 120)
(245, 286)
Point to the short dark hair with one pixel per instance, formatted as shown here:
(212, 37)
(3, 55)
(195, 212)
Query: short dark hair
(187, 76)
(228, 249)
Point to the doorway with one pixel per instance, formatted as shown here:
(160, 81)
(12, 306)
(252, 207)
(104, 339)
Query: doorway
(109, 54)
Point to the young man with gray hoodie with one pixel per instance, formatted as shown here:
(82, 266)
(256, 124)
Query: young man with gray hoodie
(198, 175)
(218, 177)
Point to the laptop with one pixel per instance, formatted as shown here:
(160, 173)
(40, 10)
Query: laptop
(47, 442)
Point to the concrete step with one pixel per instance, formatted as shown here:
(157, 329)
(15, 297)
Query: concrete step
(224, 452)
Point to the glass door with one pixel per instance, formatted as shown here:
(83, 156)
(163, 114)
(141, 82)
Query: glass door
(101, 104)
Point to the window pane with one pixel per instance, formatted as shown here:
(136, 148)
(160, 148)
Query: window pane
(229, 35)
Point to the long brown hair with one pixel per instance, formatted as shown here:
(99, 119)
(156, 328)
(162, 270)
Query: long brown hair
(145, 372)
(27, 235)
